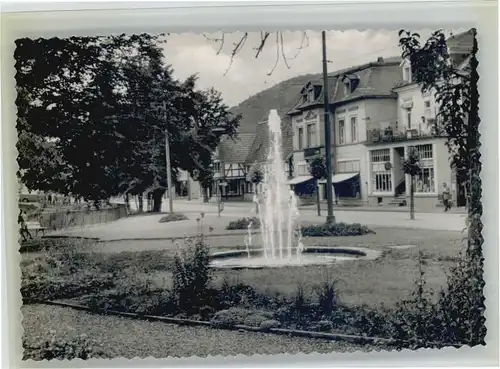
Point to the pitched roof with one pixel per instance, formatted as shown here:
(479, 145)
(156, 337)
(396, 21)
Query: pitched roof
(375, 79)
(235, 151)
(460, 46)
(260, 146)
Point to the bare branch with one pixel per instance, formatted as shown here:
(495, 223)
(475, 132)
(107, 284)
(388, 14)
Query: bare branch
(303, 44)
(263, 39)
(277, 54)
(283, 50)
(219, 41)
(237, 47)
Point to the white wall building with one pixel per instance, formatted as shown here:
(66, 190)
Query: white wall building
(377, 113)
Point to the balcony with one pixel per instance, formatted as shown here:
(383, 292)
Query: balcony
(311, 152)
(391, 133)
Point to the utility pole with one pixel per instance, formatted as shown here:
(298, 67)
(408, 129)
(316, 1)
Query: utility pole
(167, 156)
(330, 218)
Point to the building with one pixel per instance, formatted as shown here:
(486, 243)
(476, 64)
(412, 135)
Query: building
(359, 97)
(377, 113)
(234, 159)
(231, 168)
(258, 153)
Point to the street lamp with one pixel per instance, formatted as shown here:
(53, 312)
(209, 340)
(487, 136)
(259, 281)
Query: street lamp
(330, 218)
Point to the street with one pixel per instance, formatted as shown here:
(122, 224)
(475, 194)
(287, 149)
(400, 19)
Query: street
(148, 226)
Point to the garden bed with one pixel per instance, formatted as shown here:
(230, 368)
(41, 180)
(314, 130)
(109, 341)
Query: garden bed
(142, 282)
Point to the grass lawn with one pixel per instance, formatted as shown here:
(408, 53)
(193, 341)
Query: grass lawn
(373, 283)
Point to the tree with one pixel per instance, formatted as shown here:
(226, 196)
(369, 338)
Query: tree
(255, 175)
(77, 91)
(453, 81)
(96, 99)
(411, 166)
(317, 169)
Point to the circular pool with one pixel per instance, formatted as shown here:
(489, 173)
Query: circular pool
(255, 258)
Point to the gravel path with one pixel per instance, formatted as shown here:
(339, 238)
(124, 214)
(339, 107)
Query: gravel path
(133, 338)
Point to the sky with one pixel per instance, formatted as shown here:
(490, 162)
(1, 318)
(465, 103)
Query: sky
(196, 53)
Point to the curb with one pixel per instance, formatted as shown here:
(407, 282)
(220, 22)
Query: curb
(278, 331)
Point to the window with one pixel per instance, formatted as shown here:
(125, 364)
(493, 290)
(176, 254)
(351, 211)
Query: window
(341, 132)
(348, 166)
(425, 180)
(301, 138)
(427, 109)
(311, 95)
(217, 167)
(233, 170)
(311, 135)
(407, 74)
(347, 87)
(424, 151)
(381, 156)
(408, 118)
(381, 177)
(382, 181)
(303, 170)
(354, 129)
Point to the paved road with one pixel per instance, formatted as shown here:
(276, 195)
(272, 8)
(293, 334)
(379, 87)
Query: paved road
(147, 226)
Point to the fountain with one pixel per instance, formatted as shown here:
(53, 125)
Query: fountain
(278, 214)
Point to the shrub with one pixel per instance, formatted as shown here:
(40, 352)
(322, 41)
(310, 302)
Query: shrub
(192, 276)
(268, 324)
(47, 287)
(327, 292)
(243, 223)
(256, 320)
(457, 318)
(300, 301)
(173, 217)
(335, 230)
(206, 312)
(52, 347)
(324, 326)
(233, 316)
(233, 294)
(229, 318)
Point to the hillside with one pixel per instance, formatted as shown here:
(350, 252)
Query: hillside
(281, 96)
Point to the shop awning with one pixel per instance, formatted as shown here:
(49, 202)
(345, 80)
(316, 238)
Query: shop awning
(299, 179)
(340, 177)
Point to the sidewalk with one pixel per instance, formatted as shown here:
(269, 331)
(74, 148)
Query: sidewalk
(394, 209)
(373, 208)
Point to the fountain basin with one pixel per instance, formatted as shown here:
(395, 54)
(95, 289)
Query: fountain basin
(314, 255)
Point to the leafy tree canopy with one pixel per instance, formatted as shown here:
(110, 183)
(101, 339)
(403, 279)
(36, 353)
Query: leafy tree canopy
(317, 168)
(93, 113)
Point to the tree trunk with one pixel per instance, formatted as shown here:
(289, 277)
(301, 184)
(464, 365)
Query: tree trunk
(205, 194)
(157, 200)
(257, 196)
(412, 204)
(317, 199)
(141, 203)
(127, 202)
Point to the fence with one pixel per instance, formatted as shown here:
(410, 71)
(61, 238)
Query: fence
(81, 218)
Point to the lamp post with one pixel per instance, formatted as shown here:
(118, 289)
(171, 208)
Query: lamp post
(167, 157)
(330, 218)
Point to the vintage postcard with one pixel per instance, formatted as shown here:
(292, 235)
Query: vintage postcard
(219, 193)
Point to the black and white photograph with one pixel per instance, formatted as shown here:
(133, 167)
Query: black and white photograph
(270, 192)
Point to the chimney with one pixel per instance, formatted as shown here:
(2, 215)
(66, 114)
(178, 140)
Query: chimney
(380, 59)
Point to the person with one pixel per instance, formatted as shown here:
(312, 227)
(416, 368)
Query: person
(21, 219)
(446, 197)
